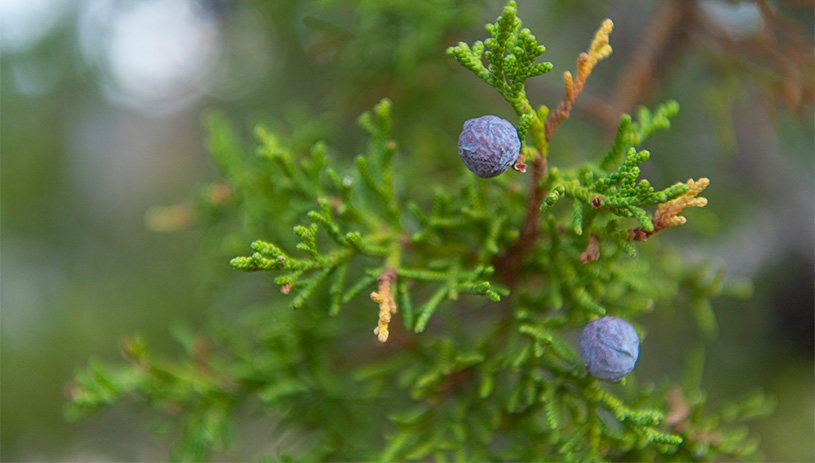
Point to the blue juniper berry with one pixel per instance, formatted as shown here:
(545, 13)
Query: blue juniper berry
(488, 145)
(610, 348)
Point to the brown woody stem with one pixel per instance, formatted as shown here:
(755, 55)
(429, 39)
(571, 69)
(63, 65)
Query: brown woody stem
(508, 264)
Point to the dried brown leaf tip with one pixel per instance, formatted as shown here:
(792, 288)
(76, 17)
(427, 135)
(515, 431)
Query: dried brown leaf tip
(598, 49)
(667, 213)
(387, 306)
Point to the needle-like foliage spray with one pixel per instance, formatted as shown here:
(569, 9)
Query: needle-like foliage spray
(412, 321)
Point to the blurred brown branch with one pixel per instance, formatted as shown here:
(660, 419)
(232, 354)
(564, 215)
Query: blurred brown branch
(779, 56)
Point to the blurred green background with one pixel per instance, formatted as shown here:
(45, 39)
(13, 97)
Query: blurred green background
(100, 121)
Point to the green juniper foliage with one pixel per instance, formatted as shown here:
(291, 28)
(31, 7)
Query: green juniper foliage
(477, 292)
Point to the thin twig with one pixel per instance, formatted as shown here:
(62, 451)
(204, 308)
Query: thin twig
(507, 265)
